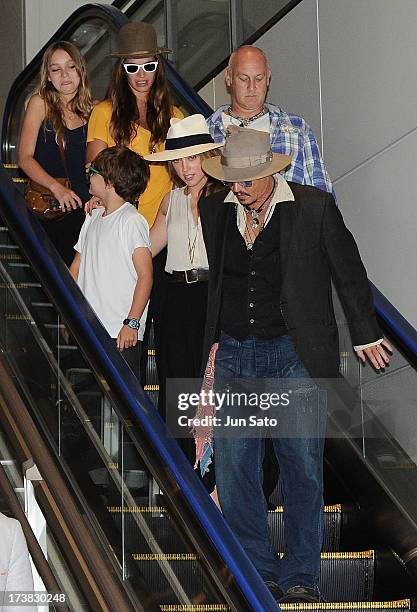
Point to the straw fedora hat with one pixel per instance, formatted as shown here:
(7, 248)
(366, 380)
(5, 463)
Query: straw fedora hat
(246, 156)
(138, 39)
(185, 137)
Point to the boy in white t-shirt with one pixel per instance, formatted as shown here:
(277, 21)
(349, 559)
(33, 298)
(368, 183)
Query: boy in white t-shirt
(113, 262)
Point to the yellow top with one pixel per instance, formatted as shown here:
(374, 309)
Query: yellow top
(159, 182)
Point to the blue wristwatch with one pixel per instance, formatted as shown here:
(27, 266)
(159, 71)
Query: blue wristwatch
(132, 323)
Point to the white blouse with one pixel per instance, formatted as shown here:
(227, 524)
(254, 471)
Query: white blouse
(186, 249)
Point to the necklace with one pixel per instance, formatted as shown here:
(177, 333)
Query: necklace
(245, 121)
(191, 243)
(254, 212)
(250, 233)
(252, 230)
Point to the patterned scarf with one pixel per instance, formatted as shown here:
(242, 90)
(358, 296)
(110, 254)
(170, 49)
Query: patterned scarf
(203, 435)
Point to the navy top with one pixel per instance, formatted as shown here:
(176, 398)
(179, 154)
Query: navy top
(48, 155)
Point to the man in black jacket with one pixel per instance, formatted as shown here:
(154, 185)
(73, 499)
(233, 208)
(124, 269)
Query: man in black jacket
(273, 248)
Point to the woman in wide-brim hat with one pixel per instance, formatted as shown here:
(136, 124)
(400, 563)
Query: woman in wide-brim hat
(178, 227)
(138, 110)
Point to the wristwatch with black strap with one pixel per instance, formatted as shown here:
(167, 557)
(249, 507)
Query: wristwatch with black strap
(132, 323)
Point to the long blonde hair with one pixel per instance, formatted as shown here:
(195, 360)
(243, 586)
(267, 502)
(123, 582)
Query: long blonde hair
(81, 104)
(212, 185)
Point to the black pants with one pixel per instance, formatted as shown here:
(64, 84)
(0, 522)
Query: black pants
(155, 311)
(132, 356)
(181, 344)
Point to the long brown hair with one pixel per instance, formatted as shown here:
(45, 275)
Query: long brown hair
(212, 185)
(81, 104)
(125, 114)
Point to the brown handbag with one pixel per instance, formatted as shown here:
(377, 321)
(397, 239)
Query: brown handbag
(42, 201)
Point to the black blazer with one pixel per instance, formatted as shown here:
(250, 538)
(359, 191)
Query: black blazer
(315, 248)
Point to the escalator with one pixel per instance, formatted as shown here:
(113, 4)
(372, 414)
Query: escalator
(122, 489)
(141, 524)
(143, 530)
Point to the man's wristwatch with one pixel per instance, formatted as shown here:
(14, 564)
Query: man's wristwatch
(132, 323)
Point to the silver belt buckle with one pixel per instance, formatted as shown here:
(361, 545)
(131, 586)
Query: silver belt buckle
(191, 276)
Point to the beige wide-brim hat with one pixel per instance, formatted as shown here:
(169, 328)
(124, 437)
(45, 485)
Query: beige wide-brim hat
(246, 156)
(138, 39)
(185, 137)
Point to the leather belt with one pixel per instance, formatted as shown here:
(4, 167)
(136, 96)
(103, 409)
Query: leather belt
(195, 275)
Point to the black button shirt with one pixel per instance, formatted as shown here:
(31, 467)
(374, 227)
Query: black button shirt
(252, 283)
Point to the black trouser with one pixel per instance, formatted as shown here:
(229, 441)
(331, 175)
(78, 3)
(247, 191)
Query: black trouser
(155, 309)
(270, 468)
(182, 333)
(132, 356)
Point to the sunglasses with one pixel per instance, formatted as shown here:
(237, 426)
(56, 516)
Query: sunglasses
(241, 183)
(134, 68)
(89, 171)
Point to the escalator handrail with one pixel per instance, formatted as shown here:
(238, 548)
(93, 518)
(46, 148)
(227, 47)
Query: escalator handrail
(392, 321)
(187, 93)
(120, 4)
(128, 396)
(15, 508)
(109, 14)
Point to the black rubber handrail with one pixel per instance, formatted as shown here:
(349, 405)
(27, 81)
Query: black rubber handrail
(396, 326)
(249, 41)
(110, 15)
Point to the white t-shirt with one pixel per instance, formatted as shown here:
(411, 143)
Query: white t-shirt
(107, 276)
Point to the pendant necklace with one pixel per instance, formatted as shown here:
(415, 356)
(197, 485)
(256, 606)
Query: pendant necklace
(245, 121)
(191, 243)
(250, 230)
(254, 212)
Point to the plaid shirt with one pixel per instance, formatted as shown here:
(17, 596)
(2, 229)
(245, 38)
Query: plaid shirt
(290, 135)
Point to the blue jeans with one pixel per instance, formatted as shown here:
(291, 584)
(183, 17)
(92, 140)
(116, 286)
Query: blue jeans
(239, 465)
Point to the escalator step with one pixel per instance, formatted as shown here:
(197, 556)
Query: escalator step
(151, 388)
(11, 257)
(194, 607)
(345, 576)
(332, 527)
(353, 606)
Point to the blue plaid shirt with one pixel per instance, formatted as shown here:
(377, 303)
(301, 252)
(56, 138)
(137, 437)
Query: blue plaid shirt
(290, 135)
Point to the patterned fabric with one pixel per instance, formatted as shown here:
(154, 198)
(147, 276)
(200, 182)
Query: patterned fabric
(290, 135)
(203, 435)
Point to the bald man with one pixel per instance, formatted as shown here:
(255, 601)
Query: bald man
(247, 77)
